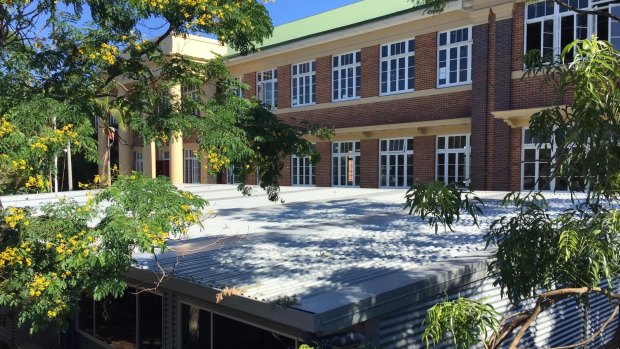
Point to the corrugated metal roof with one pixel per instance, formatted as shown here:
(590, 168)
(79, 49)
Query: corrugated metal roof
(346, 254)
(319, 241)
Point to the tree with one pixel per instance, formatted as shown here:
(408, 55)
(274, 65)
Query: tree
(571, 255)
(63, 63)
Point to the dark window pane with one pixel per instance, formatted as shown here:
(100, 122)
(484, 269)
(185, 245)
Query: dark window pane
(150, 321)
(533, 36)
(443, 38)
(85, 321)
(567, 33)
(115, 320)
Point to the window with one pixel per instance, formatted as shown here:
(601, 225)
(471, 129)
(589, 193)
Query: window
(131, 321)
(346, 76)
(452, 159)
(191, 166)
(302, 171)
(267, 88)
(202, 329)
(609, 29)
(397, 67)
(195, 327)
(303, 79)
(192, 95)
(346, 164)
(238, 91)
(396, 163)
(454, 57)
(537, 157)
(162, 103)
(549, 27)
(231, 176)
(139, 162)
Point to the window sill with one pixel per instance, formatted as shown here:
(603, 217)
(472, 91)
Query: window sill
(345, 99)
(453, 85)
(303, 105)
(396, 93)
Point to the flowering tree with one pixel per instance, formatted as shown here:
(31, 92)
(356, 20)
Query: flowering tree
(64, 62)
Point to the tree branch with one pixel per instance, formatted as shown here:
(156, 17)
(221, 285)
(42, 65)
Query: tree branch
(593, 337)
(587, 12)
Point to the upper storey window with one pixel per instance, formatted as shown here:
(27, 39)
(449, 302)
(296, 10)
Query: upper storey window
(267, 88)
(346, 76)
(454, 57)
(303, 81)
(397, 67)
(549, 27)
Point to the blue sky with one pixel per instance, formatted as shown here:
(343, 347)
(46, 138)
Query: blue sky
(284, 11)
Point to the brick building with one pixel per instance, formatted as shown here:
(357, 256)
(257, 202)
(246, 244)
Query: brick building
(411, 96)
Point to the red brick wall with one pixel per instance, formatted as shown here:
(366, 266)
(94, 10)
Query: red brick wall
(531, 93)
(284, 86)
(285, 173)
(424, 159)
(370, 71)
(426, 61)
(518, 31)
(500, 166)
(515, 159)
(251, 179)
(250, 79)
(324, 167)
(444, 106)
(323, 79)
(369, 167)
(479, 107)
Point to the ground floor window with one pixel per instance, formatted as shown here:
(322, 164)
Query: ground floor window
(202, 329)
(191, 166)
(139, 162)
(132, 321)
(302, 171)
(346, 164)
(536, 158)
(452, 159)
(232, 177)
(396, 162)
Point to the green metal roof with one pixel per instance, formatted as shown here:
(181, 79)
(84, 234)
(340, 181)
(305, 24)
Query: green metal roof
(357, 13)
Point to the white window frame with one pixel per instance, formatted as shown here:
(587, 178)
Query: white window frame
(395, 57)
(191, 166)
(448, 46)
(138, 161)
(296, 78)
(612, 38)
(408, 177)
(262, 85)
(230, 175)
(194, 93)
(557, 16)
(537, 147)
(305, 163)
(350, 82)
(447, 151)
(164, 155)
(355, 154)
(238, 92)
